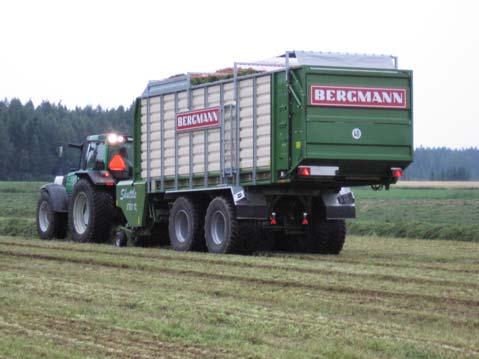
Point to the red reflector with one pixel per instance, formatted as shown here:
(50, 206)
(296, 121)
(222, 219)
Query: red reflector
(117, 163)
(305, 221)
(273, 219)
(304, 171)
(396, 172)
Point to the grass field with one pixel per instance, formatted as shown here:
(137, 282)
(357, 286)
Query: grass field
(380, 298)
(429, 212)
(439, 184)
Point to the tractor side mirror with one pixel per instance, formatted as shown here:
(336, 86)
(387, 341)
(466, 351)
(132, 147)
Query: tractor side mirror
(60, 151)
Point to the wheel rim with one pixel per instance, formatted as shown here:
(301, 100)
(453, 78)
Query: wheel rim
(218, 228)
(181, 226)
(81, 213)
(43, 219)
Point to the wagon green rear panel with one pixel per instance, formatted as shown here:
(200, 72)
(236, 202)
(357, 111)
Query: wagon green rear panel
(357, 120)
(384, 133)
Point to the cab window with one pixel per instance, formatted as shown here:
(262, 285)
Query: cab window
(122, 166)
(95, 156)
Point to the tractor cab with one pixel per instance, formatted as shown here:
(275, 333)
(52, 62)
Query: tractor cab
(104, 159)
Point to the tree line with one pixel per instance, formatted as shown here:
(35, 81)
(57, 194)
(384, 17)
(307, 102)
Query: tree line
(444, 164)
(29, 136)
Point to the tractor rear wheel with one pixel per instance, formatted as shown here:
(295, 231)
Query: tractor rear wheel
(50, 224)
(185, 225)
(90, 213)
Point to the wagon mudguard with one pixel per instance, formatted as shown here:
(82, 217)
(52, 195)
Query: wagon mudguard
(339, 205)
(58, 195)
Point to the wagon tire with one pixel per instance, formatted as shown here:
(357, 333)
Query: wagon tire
(250, 237)
(327, 237)
(222, 230)
(337, 236)
(185, 225)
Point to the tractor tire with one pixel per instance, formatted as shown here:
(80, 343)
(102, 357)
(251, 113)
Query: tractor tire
(90, 213)
(50, 224)
(222, 230)
(185, 225)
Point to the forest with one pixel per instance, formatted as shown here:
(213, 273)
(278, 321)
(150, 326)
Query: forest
(29, 136)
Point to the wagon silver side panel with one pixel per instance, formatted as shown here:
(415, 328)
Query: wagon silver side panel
(201, 153)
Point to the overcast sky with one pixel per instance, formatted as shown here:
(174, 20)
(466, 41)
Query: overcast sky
(104, 52)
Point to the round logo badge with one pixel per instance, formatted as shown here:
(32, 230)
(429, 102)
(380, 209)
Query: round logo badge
(357, 133)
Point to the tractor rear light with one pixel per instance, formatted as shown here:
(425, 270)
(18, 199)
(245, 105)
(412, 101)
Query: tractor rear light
(117, 163)
(105, 174)
(304, 171)
(396, 172)
(273, 219)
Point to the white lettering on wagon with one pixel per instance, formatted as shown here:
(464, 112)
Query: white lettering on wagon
(129, 194)
(352, 96)
(196, 120)
(126, 193)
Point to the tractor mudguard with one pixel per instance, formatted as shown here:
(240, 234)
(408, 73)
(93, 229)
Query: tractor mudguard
(97, 178)
(58, 196)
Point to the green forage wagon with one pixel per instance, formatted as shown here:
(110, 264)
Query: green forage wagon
(259, 155)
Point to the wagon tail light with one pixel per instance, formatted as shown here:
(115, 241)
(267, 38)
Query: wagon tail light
(117, 163)
(397, 172)
(304, 171)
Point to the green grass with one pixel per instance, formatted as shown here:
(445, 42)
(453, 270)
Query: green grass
(380, 298)
(418, 213)
(18, 206)
(427, 213)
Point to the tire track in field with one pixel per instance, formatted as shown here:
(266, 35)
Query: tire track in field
(93, 346)
(79, 327)
(395, 310)
(257, 281)
(112, 341)
(16, 329)
(317, 322)
(310, 258)
(166, 257)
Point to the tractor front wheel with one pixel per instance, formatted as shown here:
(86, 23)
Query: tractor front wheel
(50, 224)
(90, 213)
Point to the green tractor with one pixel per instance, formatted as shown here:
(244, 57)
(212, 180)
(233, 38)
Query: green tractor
(83, 201)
